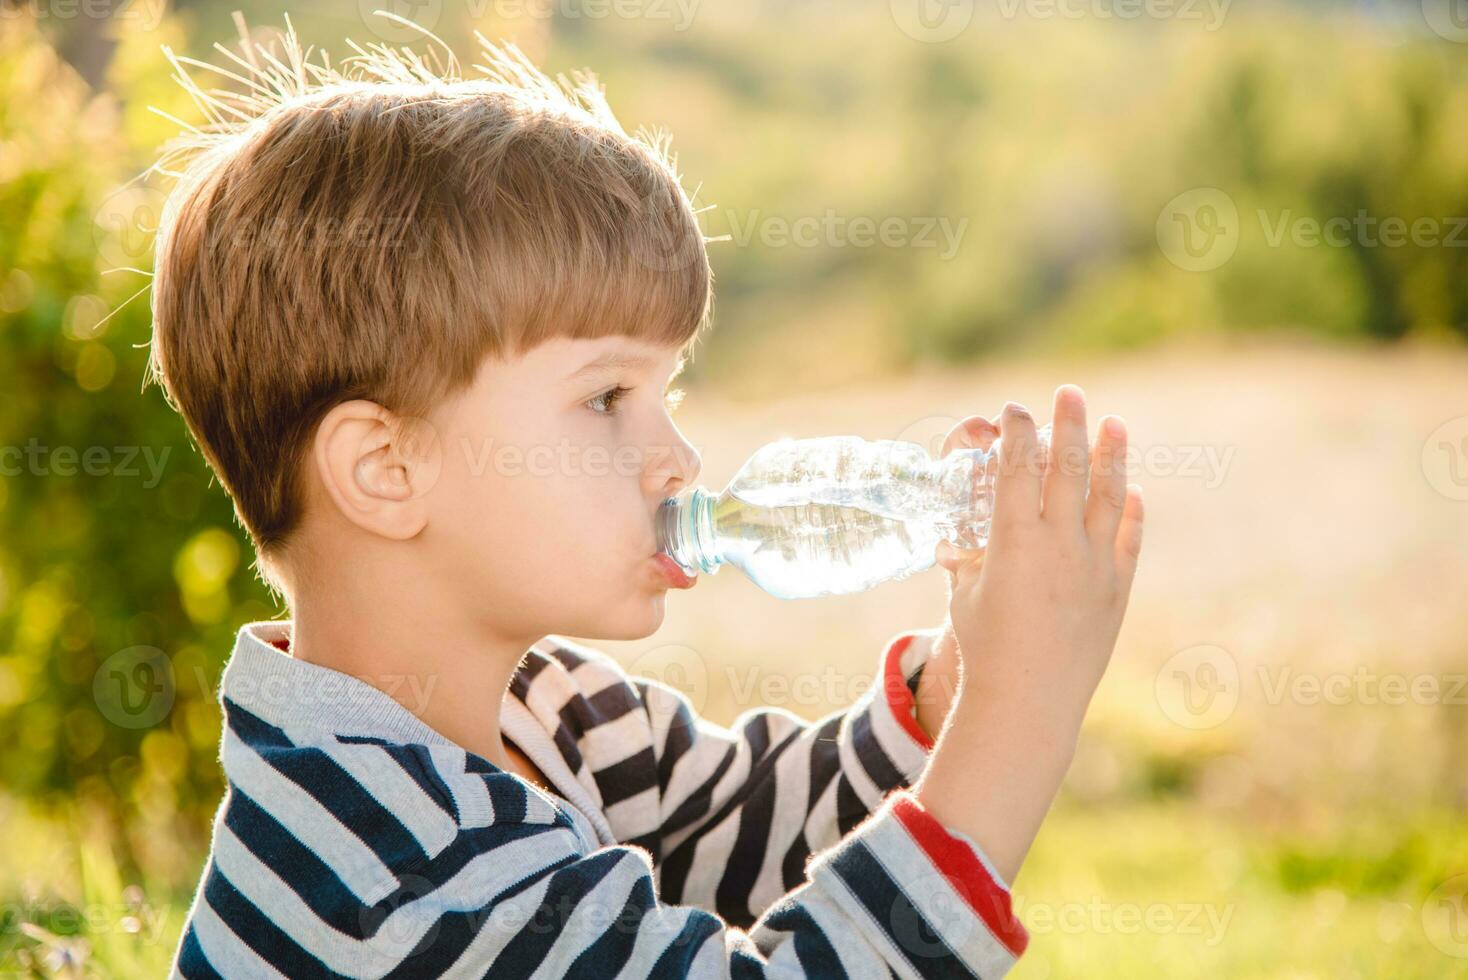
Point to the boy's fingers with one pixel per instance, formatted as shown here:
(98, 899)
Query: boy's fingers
(974, 432)
(1108, 483)
(1067, 472)
(1129, 538)
(1017, 483)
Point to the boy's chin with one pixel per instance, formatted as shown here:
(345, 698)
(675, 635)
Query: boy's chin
(635, 621)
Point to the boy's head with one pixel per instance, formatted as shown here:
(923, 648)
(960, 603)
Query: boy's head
(378, 294)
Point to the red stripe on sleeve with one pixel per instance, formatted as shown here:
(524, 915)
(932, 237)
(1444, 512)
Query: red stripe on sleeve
(966, 872)
(894, 685)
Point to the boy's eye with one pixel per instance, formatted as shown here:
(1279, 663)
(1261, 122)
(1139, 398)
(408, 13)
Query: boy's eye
(606, 402)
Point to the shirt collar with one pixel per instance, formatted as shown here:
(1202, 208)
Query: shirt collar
(271, 684)
(267, 681)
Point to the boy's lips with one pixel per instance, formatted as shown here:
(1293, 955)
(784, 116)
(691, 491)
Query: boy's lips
(673, 573)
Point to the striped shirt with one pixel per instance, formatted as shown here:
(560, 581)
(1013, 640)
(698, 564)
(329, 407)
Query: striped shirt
(354, 840)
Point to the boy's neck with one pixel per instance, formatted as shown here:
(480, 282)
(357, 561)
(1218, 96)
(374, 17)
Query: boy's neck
(447, 672)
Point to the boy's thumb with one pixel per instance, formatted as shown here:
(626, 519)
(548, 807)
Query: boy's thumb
(974, 432)
(954, 558)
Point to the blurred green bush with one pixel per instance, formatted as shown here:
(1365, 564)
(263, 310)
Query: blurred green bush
(121, 575)
(1052, 150)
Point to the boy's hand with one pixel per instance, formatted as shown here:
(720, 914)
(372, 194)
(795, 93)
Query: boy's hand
(1040, 608)
(1035, 616)
(938, 683)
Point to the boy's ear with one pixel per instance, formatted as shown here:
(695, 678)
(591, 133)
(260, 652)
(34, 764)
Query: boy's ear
(377, 467)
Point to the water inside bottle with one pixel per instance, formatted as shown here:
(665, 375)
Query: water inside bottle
(834, 515)
(796, 550)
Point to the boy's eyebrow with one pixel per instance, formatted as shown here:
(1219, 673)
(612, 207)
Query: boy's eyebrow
(616, 360)
(611, 360)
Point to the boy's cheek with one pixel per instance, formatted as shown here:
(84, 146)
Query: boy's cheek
(544, 515)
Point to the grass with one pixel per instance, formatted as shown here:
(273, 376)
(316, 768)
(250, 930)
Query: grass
(1162, 888)
(73, 912)
(1170, 889)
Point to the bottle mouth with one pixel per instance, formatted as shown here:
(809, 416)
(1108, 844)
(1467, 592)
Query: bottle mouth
(685, 531)
(670, 532)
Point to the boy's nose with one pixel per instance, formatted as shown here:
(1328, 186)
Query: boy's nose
(673, 468)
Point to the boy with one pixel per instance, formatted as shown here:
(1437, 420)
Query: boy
(377, 296)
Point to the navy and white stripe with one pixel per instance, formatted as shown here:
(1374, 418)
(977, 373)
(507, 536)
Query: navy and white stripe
(353, 840)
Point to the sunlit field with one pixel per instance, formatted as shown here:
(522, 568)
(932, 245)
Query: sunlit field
(1270, 784)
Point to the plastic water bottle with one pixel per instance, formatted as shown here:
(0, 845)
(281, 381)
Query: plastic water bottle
(834, 515)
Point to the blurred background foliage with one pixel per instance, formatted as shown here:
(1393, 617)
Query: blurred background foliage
(1045, 149)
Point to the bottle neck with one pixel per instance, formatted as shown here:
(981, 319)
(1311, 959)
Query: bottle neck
(686, 531)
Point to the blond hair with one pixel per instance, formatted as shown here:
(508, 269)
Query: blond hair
(377, 231)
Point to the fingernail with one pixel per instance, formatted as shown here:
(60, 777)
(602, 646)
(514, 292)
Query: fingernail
(1114, 427)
